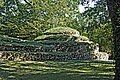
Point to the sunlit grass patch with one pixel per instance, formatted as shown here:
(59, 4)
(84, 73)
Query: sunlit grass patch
(50, 70)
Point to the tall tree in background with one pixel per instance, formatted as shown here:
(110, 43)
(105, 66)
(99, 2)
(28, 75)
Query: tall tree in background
(16, 18)
(97, 26)
(114, 11)
(28, 17)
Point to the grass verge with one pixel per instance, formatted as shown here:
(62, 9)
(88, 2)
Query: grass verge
(55, 70)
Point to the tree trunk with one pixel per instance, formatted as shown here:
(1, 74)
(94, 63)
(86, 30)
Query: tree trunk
(114, 12)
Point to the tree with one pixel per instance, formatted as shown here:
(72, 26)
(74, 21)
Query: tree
(16, 17)
(114, 11)
(36, 16)
(96, 25)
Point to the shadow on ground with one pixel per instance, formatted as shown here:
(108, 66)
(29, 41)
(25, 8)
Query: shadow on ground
(54, 70)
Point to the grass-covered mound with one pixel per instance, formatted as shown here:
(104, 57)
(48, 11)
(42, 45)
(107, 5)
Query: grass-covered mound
(63, 30)
(61, 37)
(72, 41)
(59, 34)
(65, 44)
(62, 34)
(31, 50)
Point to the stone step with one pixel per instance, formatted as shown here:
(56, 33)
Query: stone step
(12, 55)
(45, 48)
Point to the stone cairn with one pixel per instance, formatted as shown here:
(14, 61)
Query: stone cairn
(61, 43)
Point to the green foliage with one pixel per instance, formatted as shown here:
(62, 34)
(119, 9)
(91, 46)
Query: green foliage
(33, 17)
(97, 26)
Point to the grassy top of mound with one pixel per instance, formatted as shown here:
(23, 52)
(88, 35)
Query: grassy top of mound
(62, 34)
(58, 37)
(62, 30)
(61, 37)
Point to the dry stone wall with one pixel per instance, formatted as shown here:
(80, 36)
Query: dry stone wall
(49, 51)
(57, 44)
